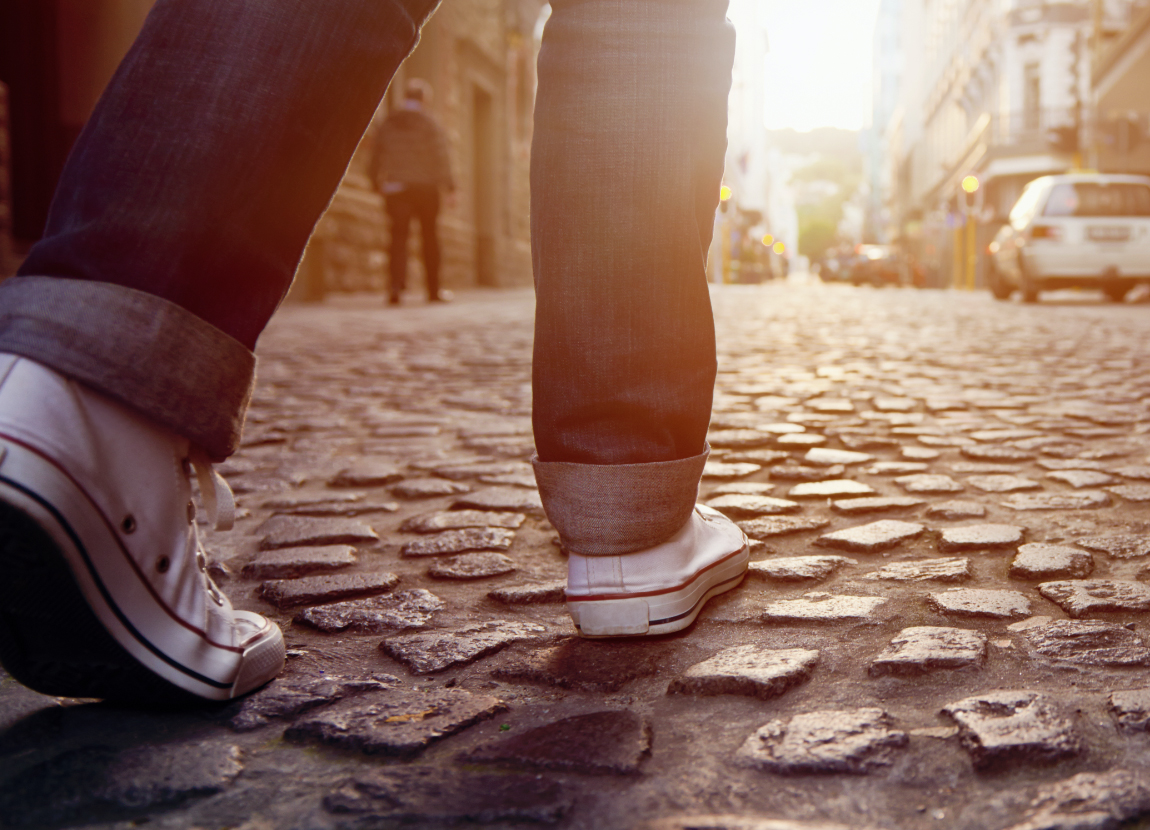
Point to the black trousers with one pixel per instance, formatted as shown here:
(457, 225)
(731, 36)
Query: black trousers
(422, 202)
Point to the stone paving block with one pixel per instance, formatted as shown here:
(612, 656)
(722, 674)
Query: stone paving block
(997, 435)
(313, 590)
(98, 782)
(944, 440)
(764, 458)
(1088, 642)
(875, 504)
(475, 470)
(526, 480)
(1081, 478)
(739, 438)
(299, 531)
(980, 537)
(748, 670)
(461, 519)
(859, 441)
(604, 666)
(1131, 709)
(1135, 471)
(1075, 464)
(472, 566)
(823, 607)
(852, 741)
(1042, 561)
(1118, 546)
(928, 483)
(403, 609)
(1010, 727)
(433, 651)
(830, 405)
(290, 695)
(292, 562)
(890, 404)
(956, 510)
(919, 453)
(1079, 597)
(873, 537)
(459, 541)
(394, 722)
(713, 821)
(432, 797)
(801, 472)
(771, 526)
(956, 569)
(743, 488)
(367, 473)
(1089, 801)
(995, 452)
(926, 648)
(331, 504)
(824, 457)
(798, 568)
(1131, 492)
(798, 440)
(830, 489)
(1002, 483)
(782, 427)
(722, 470)
(980, 602)
(737, 506)
(427, 488)
(613, 741)
(1079, 500)
(982, 468)
(508, 499)
(531, 593)
(897, 468)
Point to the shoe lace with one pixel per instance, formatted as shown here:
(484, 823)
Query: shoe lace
(218, 498)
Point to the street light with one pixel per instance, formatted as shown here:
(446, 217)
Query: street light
(725, 194)
(779, 248)
(970, 184)
(768, 240)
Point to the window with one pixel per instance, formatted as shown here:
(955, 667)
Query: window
(1098, 199)
(1031, 96)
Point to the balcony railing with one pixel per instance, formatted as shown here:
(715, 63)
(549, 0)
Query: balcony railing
(1029, 131)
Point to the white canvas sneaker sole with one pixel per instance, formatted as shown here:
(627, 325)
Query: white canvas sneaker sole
(620, 596)
(70, 628)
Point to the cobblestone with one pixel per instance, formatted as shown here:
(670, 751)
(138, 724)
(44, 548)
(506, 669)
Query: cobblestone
(313, 590)
(1089, 642)
(871, 538)
(459, 541)
(798, 568)
(853, 741)
(1009, 727)
(1079, 597)
(747, 670)
(923, 649)
(1042, 561)
(437, 650)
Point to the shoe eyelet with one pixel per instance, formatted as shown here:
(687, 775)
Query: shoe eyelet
(163, 563)
(128, 525)
(201, 561)
(191, 512)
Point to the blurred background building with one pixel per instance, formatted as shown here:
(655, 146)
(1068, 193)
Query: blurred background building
(56, 56)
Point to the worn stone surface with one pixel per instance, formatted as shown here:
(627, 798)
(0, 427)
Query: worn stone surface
(1079, 597)
(714, 821)
(875, 504)
(530, 593)
(928, 483)
(586, 665)
(797, 568)
(435, 797)
(511, 499)
(434, 651)
(403, 609)
(737, 506)
(823, 607)
(871, 538)
(993, 452)
(956, 510)
(288, 696)
(747, 670)
(739, 438)
(472, 566)
(1081, 478)
(977, 537)
(92, 783)
(1002, 483)
(297, 531)
(1131, 709)
(896, 468)
(428, 488)
(805, 473)
(926, 648)
(313, 590)
(1079, 500)
(768, 527)
(724, 470)
(460, 520)
(1131, 492)
(1010, 727)
(367, 473)
(1089, 642)
(798, 440)
(1119, 546)
(980, 602)
(613, 741)
(1042, 561)
(1089, 801)
(850, 741)
(394, 722)
(459, 541)
(951, 569)
(830, 489)
(742, 488)
(292, 562)
(824, 456)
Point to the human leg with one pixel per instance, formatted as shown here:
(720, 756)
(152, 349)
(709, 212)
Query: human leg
(125, 342)
(427, 206)
(399, 212)
(630, 133)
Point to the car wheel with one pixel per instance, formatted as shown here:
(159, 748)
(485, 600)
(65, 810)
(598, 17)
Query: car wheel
(1029, 286)
(997, 285)
(1116, 291)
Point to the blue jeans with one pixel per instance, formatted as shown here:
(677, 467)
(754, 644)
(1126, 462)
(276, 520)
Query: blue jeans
(184, 209)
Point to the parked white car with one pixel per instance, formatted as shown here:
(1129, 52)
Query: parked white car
(1086, 230)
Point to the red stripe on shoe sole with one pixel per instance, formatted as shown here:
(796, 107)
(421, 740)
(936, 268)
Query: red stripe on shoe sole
(690, 580)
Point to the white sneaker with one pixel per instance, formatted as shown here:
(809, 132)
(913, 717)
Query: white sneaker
(105, 591)
(661, 589)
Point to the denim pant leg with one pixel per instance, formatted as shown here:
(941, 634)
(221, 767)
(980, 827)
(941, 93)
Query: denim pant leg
(630, 135)
(187, 201)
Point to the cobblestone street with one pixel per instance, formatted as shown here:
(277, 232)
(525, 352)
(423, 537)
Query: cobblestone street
(946, 623)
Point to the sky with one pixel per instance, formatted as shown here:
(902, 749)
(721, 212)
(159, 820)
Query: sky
(819, 64)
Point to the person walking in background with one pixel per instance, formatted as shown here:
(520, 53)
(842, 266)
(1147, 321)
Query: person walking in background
(411, 169)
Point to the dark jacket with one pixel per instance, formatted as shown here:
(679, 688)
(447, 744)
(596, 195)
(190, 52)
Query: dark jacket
(411, 148)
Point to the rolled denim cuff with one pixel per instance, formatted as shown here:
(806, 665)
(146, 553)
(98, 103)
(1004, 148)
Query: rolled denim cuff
(145, 351)
(613, 509)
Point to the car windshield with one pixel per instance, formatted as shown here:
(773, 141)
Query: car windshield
(1098, 199)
